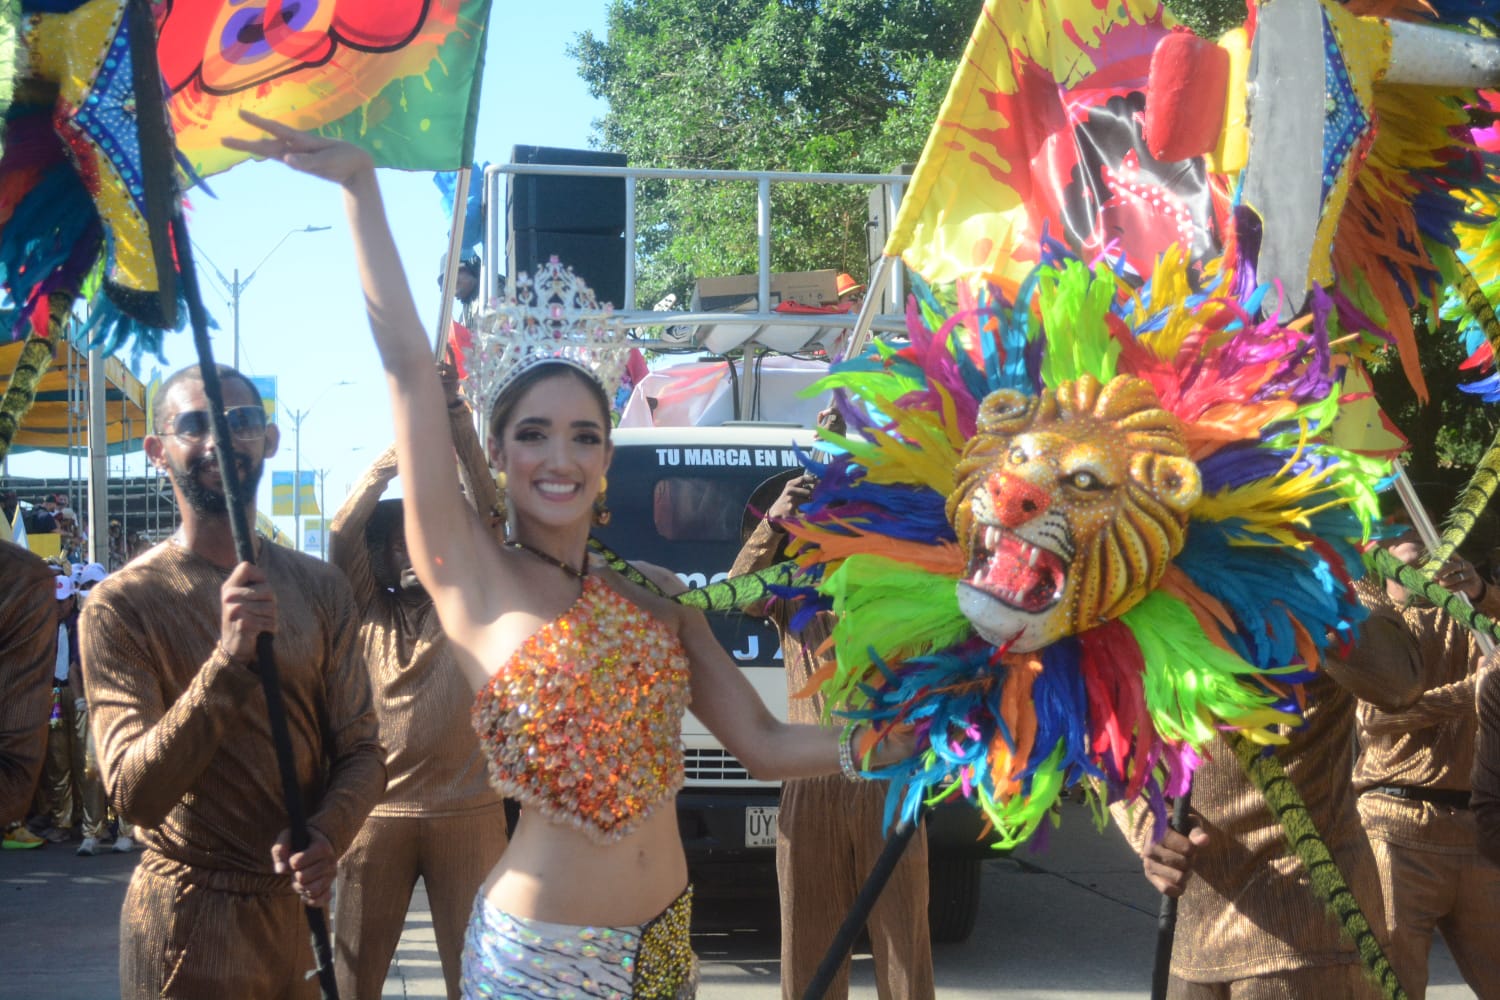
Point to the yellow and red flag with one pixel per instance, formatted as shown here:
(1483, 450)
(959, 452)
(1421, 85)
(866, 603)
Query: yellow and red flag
(1042, 135)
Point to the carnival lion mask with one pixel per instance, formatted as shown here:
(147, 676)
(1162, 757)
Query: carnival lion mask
(1069, 506)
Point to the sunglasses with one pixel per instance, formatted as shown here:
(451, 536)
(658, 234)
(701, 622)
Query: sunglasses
(245, 423)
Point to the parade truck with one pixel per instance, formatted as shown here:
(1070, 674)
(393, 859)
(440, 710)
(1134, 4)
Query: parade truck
(703, 444)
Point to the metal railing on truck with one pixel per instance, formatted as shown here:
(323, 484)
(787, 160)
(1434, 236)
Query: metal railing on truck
(763, 318)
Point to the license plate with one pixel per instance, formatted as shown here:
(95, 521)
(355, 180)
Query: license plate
(760, 826)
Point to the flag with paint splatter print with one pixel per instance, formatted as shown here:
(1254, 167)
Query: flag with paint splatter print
(398, 77)
(1041, 137)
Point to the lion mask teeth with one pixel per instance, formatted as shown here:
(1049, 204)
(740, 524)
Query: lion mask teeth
(1016, 572)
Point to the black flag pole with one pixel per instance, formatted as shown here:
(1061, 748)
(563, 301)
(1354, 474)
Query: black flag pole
(859, 913)
(1166, 917)
(159, 167)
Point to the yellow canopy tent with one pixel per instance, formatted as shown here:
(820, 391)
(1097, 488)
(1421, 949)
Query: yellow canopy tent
(48, 426)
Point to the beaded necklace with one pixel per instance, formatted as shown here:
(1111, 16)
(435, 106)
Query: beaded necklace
(573, 571)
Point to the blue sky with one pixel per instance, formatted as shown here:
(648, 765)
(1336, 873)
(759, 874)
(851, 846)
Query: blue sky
(302, 316)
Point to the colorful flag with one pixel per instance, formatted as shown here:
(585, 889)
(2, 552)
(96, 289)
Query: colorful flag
(399, 77)
(1041, 134)
(313, 529)
(266, 386)
(282, 504)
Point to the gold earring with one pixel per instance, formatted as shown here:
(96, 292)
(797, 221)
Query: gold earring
(500, 507)
(601, 508)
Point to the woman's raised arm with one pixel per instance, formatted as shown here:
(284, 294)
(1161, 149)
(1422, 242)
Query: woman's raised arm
(446, 539)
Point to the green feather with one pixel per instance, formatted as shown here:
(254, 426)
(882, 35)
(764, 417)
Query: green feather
(1074, 305)
(1191, 682)
(862, 590)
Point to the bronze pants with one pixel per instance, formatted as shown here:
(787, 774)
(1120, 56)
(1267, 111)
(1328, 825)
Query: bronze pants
(180, 938)
(95, 799)
(75, 792)
(1435, 880)
(452, 855)
(828, 835)
(1323, 982)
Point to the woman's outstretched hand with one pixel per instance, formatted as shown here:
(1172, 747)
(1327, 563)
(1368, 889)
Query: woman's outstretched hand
(331, 159)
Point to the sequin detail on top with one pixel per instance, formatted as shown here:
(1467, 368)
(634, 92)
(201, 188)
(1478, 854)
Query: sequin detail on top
(584, 721)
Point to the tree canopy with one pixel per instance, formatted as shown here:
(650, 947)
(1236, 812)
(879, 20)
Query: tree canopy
(1449, 433)
(804, 85)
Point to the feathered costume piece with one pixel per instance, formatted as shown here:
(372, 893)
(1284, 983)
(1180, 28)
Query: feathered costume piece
(74, 189)
(1072, 537)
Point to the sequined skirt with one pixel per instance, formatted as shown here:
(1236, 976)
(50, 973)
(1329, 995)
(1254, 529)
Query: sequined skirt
(516, 958)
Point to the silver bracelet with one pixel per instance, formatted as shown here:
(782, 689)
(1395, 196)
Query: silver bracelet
(846, 752)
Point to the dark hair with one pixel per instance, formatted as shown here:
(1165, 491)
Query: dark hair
(387, 515)
(763, 499)
(505, 403)
(193, 373)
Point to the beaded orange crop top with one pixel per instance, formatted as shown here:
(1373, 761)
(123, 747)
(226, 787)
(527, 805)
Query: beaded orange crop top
(584, 722)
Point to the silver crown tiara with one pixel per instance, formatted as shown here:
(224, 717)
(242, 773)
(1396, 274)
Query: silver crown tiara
(553, 317)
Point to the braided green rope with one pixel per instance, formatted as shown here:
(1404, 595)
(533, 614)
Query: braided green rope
(1267, 774)
(1467, 508)
(36, 357)
(737, 592)
(1416, 581)
(620, 565)
(1483, 484)
(733, 594)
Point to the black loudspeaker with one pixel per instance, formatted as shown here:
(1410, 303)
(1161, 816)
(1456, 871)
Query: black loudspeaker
(598, 259)
(566, 204)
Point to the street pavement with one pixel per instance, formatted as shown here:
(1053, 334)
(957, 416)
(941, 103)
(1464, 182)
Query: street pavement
(1075, 920)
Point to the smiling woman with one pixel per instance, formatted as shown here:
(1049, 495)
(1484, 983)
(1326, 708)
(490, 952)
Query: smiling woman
(582, 677)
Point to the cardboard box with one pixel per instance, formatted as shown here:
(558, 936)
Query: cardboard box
(738, 293)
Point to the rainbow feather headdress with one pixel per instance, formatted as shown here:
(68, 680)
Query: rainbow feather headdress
(1222, 634)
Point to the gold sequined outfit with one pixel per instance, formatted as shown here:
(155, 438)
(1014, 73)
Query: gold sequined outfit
(186, 753)
(28, 634)
(1413, 776)
(439, 820)
(583, 723)
(1248, 912)
(829, 832)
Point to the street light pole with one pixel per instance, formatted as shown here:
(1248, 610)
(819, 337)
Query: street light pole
(323, 512)
(236, 287)
(297, 417)
(235, 291)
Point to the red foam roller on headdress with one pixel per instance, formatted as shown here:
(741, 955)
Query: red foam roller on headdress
(1185, 96)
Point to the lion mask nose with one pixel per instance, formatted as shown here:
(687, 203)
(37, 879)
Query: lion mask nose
(1016, 500)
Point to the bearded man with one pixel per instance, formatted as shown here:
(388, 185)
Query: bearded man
(182, 731)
